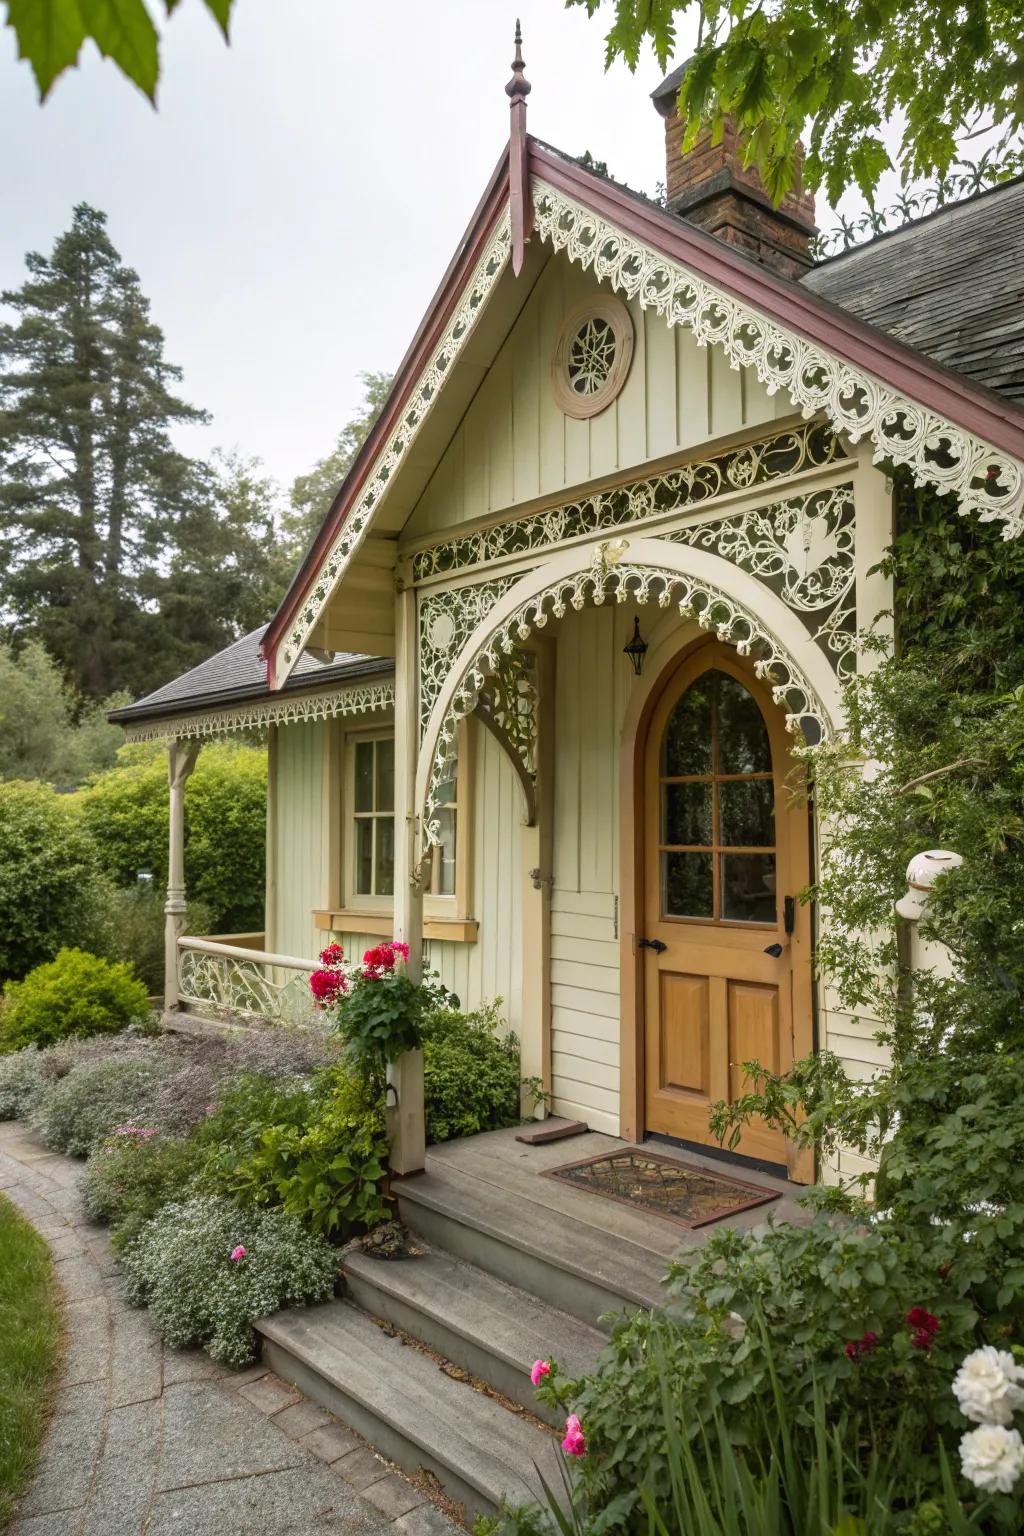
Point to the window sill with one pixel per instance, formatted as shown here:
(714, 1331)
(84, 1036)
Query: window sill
(457, 930)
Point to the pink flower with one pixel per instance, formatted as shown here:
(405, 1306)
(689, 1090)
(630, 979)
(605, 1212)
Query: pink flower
(327, 985)
(539, 1369)
(401, 949)
(238, 1253)
(574, 1443)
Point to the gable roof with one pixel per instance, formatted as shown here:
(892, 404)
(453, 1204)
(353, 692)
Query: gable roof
(787, 317)
(950, 285)
(236, 674)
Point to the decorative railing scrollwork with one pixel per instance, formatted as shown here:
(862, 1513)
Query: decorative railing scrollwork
(225, 982)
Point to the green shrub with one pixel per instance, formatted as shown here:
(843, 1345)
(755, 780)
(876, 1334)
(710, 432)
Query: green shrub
(787, 1476)
(83, 1107)
(51, 885)
(471, 1073)
(68, 998)
(132, 1173)
(21, 1081)
(180, 1267)
(131, 929)
(315, 1150)
(126, 810)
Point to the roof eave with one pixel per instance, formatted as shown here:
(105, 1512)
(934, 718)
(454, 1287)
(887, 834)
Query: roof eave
(971, 406)
(224, 697)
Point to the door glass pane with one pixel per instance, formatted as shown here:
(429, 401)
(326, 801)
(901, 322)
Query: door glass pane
(743, 744)
(445, 854)
(364, 856)
(686, 746)
(385, 775)
(745, 812)
(686, 813)
(748, 887)
(385, 829)
(686, 885)
(364, 775)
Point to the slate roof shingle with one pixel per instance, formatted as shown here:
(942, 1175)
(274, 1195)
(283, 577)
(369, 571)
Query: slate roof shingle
(951, 285)
(237, 673)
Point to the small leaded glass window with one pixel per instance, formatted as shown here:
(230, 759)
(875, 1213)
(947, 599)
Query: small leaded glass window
(592, 358)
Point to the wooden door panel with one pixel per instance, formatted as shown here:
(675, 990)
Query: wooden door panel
(753, 1031)
(714, 996)
(685, 1022)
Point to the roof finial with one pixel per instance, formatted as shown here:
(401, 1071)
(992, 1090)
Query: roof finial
(519, 200)
(518, 87)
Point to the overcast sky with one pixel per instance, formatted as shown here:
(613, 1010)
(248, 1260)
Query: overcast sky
(294, 200)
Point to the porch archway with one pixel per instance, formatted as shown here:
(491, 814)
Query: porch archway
(724, 600)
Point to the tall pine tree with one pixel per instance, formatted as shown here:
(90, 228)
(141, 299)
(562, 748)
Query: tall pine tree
(128, 560)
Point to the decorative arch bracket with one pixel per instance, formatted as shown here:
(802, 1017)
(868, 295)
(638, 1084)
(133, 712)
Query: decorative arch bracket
(617, 572)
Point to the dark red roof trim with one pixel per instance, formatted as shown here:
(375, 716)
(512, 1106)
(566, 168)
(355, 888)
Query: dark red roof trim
(970, 406)
(439, 312)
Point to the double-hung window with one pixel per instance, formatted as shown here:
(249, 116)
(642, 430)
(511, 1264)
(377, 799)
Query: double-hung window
(373, 817)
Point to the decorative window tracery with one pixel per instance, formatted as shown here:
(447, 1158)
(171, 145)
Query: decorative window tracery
(774, 458)
(986, 480)
(592, 356)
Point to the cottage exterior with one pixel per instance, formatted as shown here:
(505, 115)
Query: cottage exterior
(535, 697)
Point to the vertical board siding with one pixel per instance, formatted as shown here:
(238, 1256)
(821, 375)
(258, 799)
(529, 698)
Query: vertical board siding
(492, 968)
(514, 443)
(298, 839)
(592, 680)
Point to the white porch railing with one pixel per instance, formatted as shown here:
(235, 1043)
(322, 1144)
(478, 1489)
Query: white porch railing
(227, 981)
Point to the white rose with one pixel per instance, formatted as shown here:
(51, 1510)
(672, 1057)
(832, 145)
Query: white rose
(987, 1386)
(992, 1457)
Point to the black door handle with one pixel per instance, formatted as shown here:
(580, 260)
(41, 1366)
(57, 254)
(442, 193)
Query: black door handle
(655, 944)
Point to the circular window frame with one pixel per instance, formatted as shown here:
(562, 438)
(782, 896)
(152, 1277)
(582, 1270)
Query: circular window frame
(617, 316)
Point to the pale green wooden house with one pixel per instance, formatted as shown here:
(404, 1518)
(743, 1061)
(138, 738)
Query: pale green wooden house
(600, 568)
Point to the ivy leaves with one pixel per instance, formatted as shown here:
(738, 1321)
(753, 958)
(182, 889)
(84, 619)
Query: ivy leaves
(51, 33)
(845, 70)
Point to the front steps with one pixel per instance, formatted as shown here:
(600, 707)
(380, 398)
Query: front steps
(518, 1267)
(492, 1330)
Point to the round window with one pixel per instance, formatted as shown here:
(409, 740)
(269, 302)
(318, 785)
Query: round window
(592, 357)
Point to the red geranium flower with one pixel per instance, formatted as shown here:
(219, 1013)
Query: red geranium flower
(862, 1346)
(332, 955)
(326, 986)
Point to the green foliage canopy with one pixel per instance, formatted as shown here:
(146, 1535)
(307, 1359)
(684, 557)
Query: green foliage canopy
(125, 809)
(940, 68)
(46, 732)
(128, 560)
(51, 33)
(52, 887)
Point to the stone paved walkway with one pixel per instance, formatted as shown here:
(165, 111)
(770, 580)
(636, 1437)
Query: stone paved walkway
(147, 1441)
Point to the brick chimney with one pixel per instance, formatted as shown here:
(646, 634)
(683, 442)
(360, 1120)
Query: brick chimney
(709, 186)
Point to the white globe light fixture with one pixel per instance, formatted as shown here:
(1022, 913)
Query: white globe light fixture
(922, 872)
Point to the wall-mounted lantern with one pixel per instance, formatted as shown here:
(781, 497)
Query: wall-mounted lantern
(636, 649)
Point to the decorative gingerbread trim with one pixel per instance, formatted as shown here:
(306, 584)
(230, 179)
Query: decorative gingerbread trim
(288, 709)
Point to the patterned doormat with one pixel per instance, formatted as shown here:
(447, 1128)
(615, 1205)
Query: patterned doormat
(689, 1195)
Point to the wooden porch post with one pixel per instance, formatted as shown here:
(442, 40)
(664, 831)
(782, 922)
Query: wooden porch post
(181, 759)
(536, 850)
(406, 1122)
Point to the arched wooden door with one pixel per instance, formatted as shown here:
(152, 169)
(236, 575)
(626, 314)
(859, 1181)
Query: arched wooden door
(726, 947)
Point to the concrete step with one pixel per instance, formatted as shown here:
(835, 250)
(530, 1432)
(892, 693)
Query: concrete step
(569, 1264)
(491, 1329)
(402, 1402)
